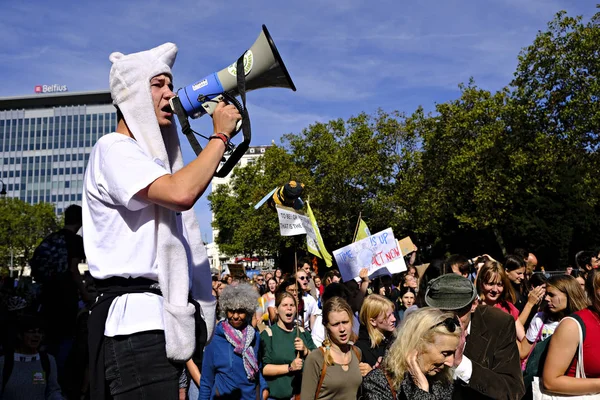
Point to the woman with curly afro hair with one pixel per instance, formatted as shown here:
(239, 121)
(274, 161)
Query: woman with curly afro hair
(232, 367)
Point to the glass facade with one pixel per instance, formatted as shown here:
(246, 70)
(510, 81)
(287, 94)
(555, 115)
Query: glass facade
(44, 151)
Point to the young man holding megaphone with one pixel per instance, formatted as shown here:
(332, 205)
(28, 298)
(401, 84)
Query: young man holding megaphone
(141, 235)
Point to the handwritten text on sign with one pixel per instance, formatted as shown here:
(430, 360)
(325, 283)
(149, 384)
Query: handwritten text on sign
(373, 252)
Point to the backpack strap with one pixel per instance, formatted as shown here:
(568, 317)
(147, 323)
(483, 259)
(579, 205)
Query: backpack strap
(45, 360)
(322, 376)
(357, 352)
(268, 330)
(580, 322)
(390, 382)
(9, 362)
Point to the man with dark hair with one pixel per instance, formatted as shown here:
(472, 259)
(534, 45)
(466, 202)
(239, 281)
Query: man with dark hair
(260, 284)
(142, 238)
(530, 259)
(55, 267)
(25, 370)
(332, 276)
(486, 361)
(458, 264)
(585, 260)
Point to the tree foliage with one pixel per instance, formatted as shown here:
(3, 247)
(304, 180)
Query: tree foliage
(22, 228)
(488, 171)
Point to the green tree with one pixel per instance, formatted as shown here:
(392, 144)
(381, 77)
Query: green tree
(22, 228)
(346, 167)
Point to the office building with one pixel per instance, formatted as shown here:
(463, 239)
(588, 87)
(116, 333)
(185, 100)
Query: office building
(45, 141)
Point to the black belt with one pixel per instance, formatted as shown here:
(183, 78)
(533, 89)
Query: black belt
(109, 289)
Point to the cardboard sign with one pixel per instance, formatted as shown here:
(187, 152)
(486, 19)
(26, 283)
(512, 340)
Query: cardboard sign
(406, 246)
(374, 252)
(237, 270)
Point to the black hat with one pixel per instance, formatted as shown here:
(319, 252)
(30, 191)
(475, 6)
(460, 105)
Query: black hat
(450, 292)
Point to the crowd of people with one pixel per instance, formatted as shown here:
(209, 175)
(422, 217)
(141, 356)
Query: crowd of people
(459, 334)
(145, 323)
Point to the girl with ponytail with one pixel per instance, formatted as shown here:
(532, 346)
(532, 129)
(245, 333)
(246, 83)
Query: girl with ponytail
(332, 371)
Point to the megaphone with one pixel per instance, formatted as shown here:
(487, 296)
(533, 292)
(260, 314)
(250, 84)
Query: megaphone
(262, 66)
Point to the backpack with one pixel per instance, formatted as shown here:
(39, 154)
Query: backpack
(537, 359)
(51, 258)
(9, 363)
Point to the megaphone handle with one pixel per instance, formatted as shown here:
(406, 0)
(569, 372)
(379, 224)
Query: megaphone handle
(211, 105)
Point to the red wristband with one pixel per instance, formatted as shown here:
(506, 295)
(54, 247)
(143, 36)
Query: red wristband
(221, 136)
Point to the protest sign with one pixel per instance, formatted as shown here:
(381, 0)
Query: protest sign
(394, 267)
(292, 223)
(374, 252)
(237, 270)
(406, 245)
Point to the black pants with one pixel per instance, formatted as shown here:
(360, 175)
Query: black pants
(136, 367)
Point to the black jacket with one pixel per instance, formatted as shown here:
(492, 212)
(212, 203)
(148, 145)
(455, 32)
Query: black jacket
(375, 386)
(370, 355)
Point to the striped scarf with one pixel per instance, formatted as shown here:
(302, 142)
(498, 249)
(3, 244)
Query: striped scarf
(241, 341)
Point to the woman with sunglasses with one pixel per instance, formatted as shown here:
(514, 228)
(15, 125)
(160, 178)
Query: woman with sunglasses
(418, 364)
(333, 371)
(286, 345)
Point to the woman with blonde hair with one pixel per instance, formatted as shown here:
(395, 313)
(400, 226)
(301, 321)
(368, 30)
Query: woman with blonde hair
(377, 324)
(418, 364)
(332, 371)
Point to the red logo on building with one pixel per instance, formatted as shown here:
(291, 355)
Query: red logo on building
(38, 89)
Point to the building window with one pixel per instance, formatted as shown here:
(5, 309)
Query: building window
(67, 184)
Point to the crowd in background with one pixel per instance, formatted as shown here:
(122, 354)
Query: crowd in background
(310, 335)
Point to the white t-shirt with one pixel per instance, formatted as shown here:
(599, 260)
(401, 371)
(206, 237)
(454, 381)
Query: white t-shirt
(534, 328)
(310, 308)
(119, 230)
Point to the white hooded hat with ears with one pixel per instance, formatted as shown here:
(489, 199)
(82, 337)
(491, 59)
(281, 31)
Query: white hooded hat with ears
(179, 269)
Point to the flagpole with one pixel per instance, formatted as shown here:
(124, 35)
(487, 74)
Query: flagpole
(357, 225)
(299, 297)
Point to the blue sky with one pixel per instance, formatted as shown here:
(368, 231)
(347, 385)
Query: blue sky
(345, 57)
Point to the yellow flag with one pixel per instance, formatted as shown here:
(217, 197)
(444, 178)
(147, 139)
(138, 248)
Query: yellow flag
(362, 231)
(318, 248)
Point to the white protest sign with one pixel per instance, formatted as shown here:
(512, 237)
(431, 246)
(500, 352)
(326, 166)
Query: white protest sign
(394, 267)
(290, 222)
(374, 252)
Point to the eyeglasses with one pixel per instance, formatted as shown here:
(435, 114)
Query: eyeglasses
(304, 278)
(449, 323)
(260, 280)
